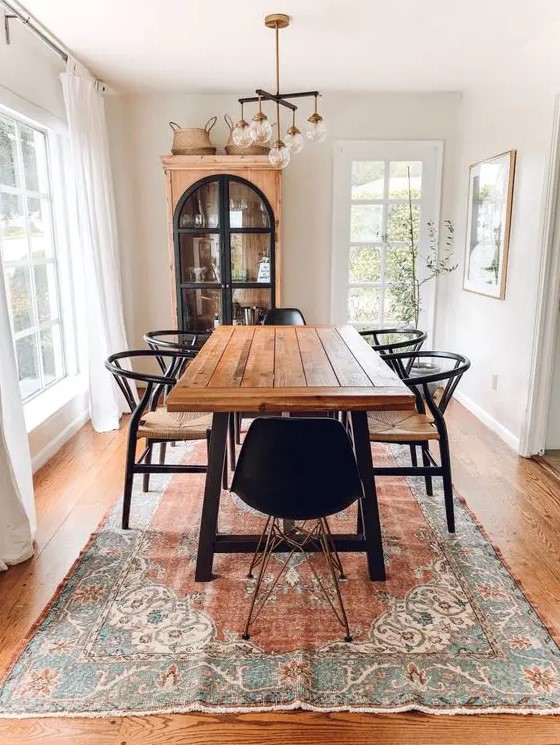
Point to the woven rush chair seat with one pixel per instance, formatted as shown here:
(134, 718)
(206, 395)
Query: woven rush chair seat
(162, 424)
(433, 378)
(151, 422)
(396, 426)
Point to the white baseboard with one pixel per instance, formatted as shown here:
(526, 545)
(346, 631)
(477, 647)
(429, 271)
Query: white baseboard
(40, 458)
(493, 424)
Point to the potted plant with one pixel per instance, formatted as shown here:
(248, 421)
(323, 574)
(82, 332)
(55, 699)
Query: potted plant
(403, 268)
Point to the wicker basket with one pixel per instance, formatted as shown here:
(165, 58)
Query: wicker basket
(193, 141)
(232, 149)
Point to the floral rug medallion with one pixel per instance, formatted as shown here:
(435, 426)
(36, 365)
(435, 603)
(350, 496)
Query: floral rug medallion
(130, 632)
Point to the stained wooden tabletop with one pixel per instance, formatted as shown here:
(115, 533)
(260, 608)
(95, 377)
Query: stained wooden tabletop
(288, 368)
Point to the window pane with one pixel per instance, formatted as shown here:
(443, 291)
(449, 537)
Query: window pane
(363, 305)
(51, 354)
(40, 228)
(202, 208)
(249, 251)
(200, 308)
(366, 222)
(28, 365)
(399, 303)
(13, 233)
(18, 284)
(398, 179)
(33, 147)
(45, 289)
(368, 179)
(364, 264)
(246, 208)
(399, 222)
(250, 305)
(7, 152)
(200, 257)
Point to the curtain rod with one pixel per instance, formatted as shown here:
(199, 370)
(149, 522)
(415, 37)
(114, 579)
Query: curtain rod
(35, 27)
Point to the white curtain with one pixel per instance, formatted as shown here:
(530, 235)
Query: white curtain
(17, 506)
(98, 239)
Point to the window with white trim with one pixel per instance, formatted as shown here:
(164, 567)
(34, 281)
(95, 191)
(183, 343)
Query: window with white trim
(29, 255)
(371, 210)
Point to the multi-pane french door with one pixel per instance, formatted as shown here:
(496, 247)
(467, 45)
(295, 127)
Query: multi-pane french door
(377, 187)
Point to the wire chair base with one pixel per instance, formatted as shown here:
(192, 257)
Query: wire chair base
(298, 538)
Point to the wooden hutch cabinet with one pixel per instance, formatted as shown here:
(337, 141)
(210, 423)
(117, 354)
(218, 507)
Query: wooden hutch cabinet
(223, 215)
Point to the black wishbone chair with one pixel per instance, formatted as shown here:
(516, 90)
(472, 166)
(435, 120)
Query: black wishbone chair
(389, 341)
(177, 339)
(433, 391)
(192, 342)
(152, 422)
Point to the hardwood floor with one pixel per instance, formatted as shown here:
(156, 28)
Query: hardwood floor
(516, 500)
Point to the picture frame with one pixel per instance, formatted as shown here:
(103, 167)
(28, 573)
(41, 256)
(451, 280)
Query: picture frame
(489, 208)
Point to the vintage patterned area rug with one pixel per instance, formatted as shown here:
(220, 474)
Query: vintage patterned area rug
(130, 632)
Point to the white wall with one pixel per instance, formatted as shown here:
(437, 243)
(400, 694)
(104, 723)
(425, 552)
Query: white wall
(139, 135)
(497, 335)
(29, 72)
(29, 69)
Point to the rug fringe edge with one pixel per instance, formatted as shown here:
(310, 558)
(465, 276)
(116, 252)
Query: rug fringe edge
(199, 708)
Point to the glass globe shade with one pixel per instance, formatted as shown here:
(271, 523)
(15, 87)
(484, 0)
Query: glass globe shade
(279, 155)
(241, 134)
(294, 141)
(316, 130)
(260, 129)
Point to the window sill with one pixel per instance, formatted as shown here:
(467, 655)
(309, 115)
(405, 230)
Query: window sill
(39, 409)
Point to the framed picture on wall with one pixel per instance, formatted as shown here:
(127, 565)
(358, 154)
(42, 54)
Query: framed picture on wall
(488, 225)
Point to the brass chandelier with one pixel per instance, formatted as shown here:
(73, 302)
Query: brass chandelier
(259, 131)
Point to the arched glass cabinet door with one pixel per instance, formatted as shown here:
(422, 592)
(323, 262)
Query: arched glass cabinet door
(224, 263)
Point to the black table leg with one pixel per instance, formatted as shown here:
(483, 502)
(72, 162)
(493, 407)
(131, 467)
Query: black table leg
(368, 505)
(212, 491)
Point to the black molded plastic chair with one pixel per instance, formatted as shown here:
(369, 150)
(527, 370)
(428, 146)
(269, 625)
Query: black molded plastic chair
(297, 469)
(427, 423)
(284, 317)
(153, 422)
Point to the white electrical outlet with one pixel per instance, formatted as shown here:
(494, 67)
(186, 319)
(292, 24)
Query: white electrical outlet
(494, 382)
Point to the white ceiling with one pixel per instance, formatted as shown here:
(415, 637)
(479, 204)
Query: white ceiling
(354, 45)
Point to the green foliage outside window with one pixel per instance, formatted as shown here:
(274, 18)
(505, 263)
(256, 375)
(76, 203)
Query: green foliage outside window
(403, 229)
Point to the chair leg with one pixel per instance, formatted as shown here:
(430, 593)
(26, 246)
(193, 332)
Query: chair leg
(268, 530)
(427, 463)
(325, 533)
(162, 449)
(147, 461)
(128, 480)
(447, 481)
(413, 457)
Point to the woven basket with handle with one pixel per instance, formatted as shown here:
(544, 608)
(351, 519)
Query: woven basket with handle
(232, 149)
(193, 141)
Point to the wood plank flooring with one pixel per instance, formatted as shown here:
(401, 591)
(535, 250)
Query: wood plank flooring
(516, 500)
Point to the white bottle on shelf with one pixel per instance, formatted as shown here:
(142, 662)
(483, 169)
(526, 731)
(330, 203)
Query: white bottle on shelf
(216, 320)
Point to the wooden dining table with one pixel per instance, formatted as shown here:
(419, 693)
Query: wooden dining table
(298, 370)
